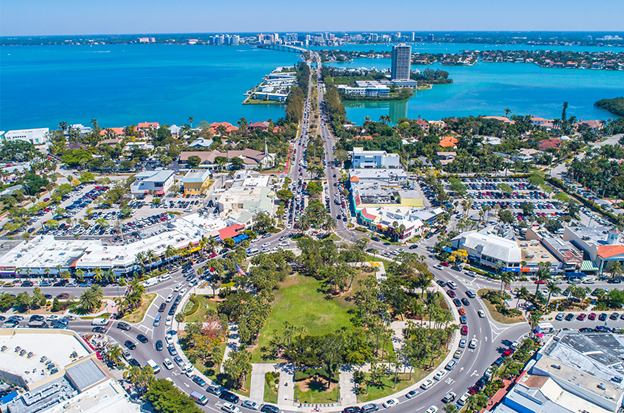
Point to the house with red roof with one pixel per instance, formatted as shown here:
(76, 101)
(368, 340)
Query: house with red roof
(552, 143)
(424, 125)
(263, 126)
(148, 125)
(229, 128)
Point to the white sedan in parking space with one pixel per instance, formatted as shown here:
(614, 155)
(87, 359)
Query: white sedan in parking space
(168, 364)
(168, 321)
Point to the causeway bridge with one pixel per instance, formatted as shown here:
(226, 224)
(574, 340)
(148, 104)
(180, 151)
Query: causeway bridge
(283, 48)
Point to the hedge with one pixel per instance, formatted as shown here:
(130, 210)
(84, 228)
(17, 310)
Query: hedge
(308, 373)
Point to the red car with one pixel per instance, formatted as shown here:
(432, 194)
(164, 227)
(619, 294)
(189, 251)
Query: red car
(507, 352)
(444, 264)
(581, 317)
(451, 293)
(540, 281)
(464, 330)
(592, 316)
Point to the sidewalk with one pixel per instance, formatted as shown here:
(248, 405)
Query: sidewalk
(233, 343)
(286, 391)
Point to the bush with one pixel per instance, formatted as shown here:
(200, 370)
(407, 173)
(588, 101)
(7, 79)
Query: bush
(361, 229)
(308, 373)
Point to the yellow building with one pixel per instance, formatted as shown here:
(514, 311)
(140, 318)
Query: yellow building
(196, 181)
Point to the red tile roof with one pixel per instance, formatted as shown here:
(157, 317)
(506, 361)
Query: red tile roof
(606, 251)
(147, 125)
(230, 232)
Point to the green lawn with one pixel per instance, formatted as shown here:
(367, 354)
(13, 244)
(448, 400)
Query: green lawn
(301, 302)
(318, 396)
(387, 384)
(204, 305)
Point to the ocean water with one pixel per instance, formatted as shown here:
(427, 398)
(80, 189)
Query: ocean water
(490, 88)
(120, 85)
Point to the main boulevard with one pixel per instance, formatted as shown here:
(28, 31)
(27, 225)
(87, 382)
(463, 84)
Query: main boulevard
(471, 366)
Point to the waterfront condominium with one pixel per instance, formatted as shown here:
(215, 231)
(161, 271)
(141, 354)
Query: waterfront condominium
(401, 61)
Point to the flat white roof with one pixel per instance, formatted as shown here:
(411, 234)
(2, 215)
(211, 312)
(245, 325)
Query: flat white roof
(55, 345)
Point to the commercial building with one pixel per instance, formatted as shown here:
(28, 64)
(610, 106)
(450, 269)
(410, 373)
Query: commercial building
(196, 181)
(366, 89)
(60, 373)
(374, 159)
(158, 181)
(244, 196)
(573, 372)
(401, 61)
(34, 136)
(394, 177)
(487, 249)
(403, 222)
(183, 233)
(604, 245)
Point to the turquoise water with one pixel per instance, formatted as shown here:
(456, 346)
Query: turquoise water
(490, 88)
(119, 85)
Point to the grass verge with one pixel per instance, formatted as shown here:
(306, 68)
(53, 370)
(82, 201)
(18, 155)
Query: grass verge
(386, 385)
(271, 381)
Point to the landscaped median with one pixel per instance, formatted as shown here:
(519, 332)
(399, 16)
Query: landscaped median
(138, 314)
(498, 311)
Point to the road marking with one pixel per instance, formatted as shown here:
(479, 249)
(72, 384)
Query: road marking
(449, 381)
(462, 369)
(474, 373)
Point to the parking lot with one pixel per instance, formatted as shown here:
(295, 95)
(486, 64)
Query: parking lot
(488, 192)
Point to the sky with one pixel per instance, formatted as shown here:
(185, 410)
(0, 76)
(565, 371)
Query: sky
(86, 17)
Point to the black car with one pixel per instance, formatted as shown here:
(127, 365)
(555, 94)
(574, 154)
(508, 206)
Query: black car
(441, 283)
(159, 345)
(162, 307)
(351, 409)
(586, 330)
(124, 326)
(134, 363)
(130, 344)
(569, 317)
(142, 338)
(614, 316)
(465, 302)
(229, 397)
(199, 381)
(375, 239)
(27, 284)
(214, 390)
(602, 317)
(267, 408)
(413, 246)
(456, 302)
(99, 330)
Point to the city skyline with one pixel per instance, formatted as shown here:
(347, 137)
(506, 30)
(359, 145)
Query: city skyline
(70, 17)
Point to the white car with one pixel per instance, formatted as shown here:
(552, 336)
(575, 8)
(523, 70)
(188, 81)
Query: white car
(390, 403)
(283, 244)
(168, 364)
(473, 343)
(481, 313)
(169, 298)
(52, 317)
(266, 244)
(177, 287)
(471, 273)
(432, 409)
(168, 320)
(440, 375)
(251, 405)
(169, 339)
(437, 266)
(426, 384)
(230, 408)
(183, 291)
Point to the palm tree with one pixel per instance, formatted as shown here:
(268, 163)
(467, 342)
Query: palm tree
(542, 274)
(506, 277)
(97, 274)
(552, 289)
(190, 119)
(114, 354)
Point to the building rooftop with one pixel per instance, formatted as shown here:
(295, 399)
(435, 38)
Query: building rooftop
(60, 349)
(196, 175)
(534, 252)
(493, 246)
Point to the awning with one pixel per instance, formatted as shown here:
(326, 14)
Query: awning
(160, 192)
(588, 266)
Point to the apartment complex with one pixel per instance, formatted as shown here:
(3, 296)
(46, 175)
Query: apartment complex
(401, 61)
(374, 159)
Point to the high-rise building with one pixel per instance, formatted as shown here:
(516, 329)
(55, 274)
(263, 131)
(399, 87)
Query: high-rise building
(235, 39)
(431, 37)
(413, 37)
(401, 61)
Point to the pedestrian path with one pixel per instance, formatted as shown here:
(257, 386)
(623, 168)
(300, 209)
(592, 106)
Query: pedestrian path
(286, 391)
(347, 387)
(258, 372)
(233, 343)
